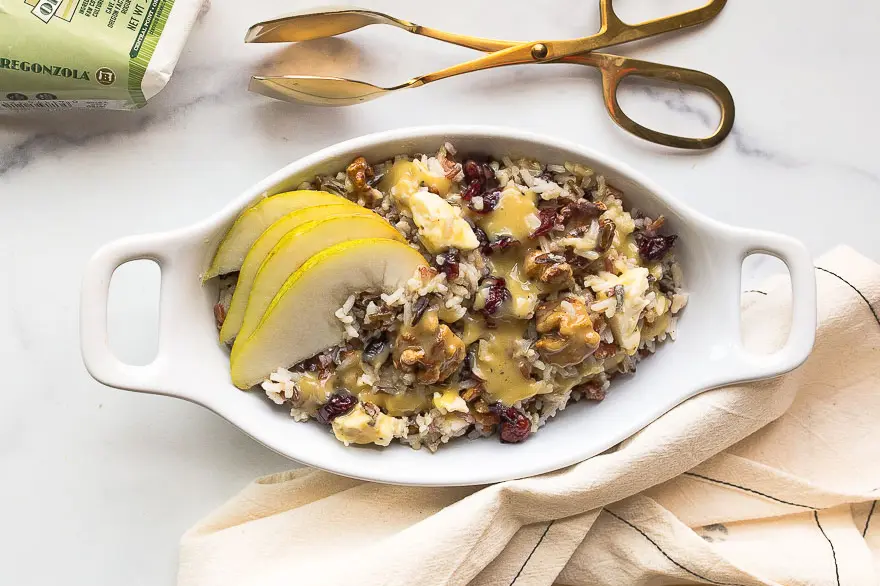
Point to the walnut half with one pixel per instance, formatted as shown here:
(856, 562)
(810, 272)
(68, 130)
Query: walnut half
(428, 348)
(567, 336)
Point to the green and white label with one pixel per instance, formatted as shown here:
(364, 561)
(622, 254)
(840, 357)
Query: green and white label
(59, 54)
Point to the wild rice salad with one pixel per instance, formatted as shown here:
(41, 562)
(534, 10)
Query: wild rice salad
(542, 287)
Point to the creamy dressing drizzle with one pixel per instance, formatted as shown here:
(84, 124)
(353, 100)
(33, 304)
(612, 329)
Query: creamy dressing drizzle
(495, 363)
(314, 391)
(510, 217)
(406, 177)
(524, 292)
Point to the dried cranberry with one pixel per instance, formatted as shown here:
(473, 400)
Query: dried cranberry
(490, 202)
(338, 404)
(515, 426)
(473, 190)
(548, 219)
(472, 170)
(654, 247)
(496, 294)
(449, 262)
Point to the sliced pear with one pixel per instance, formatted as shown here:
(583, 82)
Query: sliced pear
(254, 221)
(300, 320)
(264, 244)
(261, 279)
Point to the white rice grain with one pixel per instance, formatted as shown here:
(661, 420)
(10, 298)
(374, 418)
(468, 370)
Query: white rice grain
(453, 301)
(394, 298)
(282, 375)
(533, 222)
(435, 167)
(608, 306)
(679, 300)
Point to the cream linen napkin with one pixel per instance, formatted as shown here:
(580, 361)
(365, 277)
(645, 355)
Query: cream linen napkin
(766, 483)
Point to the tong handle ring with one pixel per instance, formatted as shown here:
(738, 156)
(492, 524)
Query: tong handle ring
(615, 31)
(615, 69)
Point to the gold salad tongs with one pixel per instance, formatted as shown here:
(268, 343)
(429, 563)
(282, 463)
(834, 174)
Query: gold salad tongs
(335, 91)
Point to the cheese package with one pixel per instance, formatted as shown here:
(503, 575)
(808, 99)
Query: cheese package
(92, 54)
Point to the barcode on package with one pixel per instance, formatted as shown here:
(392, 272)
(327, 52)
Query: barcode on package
(26, 105)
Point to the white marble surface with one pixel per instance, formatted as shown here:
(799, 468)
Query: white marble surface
(99, 484)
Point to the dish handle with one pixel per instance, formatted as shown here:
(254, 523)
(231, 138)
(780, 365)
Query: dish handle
(802, 335)
(99, 359)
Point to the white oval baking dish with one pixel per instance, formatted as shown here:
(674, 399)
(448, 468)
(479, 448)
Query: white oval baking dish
(708, 352)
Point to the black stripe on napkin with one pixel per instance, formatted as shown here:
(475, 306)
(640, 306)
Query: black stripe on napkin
(833, 553)
(868, 520)
(772, 498)
(666, 555)
(854, 288)
(543, 535)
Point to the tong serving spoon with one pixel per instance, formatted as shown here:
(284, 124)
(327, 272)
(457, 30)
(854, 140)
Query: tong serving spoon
(337, 91)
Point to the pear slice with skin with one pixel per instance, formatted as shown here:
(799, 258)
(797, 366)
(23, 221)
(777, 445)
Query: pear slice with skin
(254, 221)
(261, 278)
(300, 320)
(264, 244)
